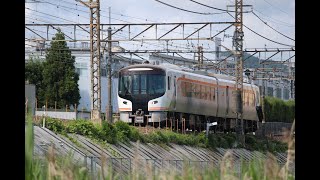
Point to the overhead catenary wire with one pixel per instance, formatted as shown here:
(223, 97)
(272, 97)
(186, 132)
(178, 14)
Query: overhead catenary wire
(124, 21)
(73, 13)
(271, 27)
(88, 18)
(61, 29)
(115, 13)
(50, 15)
(186, 9)
(276, 20)
(268, 38)
(276, 7)
(263, 36)
(248, 11)
(225, 10)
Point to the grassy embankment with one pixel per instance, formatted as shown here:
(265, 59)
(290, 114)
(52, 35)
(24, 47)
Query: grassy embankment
(53, 167)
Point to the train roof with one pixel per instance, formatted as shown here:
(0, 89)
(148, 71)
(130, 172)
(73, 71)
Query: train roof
(166, 66)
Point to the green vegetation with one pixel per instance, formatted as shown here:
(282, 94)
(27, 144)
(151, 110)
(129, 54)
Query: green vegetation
(122, 132)
(277, 110)
(63, 167)
(55, 78)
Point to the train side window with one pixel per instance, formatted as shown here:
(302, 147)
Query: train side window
(213, 93)
(207, 97)
(189, 89)
(227, 91)
(169, 82)
(198, 91)
(202, 92)
(183, 88)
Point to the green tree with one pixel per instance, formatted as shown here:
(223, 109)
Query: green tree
(60, 80)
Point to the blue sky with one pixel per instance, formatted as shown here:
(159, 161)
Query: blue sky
(279, 14)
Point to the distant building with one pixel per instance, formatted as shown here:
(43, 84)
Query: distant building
(30, 97)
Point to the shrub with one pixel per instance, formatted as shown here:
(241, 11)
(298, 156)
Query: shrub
(82, 127)
(277, 110)
(55, 125)
(108, 133)
(135, 135)
(123, 131)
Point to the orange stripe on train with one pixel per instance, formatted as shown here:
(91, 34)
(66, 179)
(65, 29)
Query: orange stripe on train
(157, 108)
(210, 84)
(125, 109)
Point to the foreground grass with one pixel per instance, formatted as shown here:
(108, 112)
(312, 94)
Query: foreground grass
(56, 167)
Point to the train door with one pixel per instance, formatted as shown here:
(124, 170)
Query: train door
(174, 93)
(227, 101)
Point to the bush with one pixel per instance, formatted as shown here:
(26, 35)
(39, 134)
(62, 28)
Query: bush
(54, 125)
(277, 110)
(123, 131)
(135, 135)
(82, 127)
(108, 133)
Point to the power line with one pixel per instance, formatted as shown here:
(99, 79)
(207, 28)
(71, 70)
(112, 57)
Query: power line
(276, 7)
(263, 36)
(50, 15)
(81, 11)
(234, 11)
(187, 10)
(117, 19)
(274, 20)
(211, 6)
(63, 6)
(267, 38)
(271, 27)
(120, 20)
(61, 29)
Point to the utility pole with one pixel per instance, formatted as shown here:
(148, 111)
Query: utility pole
(94, 6)
(238, 44)
(109, 87)
(200, 57)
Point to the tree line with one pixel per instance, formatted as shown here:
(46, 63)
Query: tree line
(55, 78)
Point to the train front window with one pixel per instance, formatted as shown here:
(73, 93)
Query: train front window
(136, 83)
(143, 83)
(156, 84)
(125, 85)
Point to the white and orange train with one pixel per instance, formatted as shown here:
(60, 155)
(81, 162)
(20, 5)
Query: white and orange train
(168, 95)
